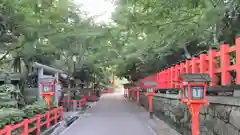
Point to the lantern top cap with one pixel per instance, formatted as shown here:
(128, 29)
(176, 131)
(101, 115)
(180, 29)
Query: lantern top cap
(195, 78)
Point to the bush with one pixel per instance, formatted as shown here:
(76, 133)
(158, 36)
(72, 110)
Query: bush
(10, 116)
(9, 111)
(34, 109)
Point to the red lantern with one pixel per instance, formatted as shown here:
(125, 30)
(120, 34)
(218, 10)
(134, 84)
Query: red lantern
(194, 95)
(47, 93)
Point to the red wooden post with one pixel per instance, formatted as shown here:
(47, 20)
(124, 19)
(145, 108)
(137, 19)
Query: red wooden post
(47, 119)
(55, 111)
(133, 93)
(187, 66)
(150, 106)
(163, 80)
(212, 66)
(138, 96)
(61, 113)
(168, 78)
(177, 68)
(176, 75)
(225, 63)
(194, 109)
(150, 103)
(237, 66)
(158, 81)
(172, 76)
(203, 63)
(84, 101)
(194, 65)
(8, 129)
(181, 72)
(25, 126)
(38, 124)
(181, 68)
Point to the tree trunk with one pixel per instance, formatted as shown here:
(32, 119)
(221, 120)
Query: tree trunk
(186, 52)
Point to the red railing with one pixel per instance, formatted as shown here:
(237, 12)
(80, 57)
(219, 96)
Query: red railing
(39, 121)
(70, 103)
(107, 91)
(214, 62)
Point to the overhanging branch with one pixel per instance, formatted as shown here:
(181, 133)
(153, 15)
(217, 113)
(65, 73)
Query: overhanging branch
(9, 51)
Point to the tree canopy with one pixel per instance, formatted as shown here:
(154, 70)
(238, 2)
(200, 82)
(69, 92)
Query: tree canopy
(145, 36)
(158, 33)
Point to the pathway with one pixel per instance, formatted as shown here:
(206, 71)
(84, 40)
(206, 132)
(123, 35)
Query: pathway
(113, 115)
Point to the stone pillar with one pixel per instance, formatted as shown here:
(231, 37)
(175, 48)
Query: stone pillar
(75, 106)
(56, 89)
(69, 98)
(40, 75)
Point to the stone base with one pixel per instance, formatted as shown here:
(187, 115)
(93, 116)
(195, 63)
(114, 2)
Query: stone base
(236, 93)
(151, 115)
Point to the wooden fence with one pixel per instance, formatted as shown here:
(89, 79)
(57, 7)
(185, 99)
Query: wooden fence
(41, 120)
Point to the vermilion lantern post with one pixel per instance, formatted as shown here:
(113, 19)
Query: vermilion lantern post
(138, 94)
(47, 93)
(149, 85)
(194, 95)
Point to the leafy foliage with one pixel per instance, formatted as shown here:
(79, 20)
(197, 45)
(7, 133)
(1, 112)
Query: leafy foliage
(154, 34)
(10, 116)
(146, 36)
(34, 109)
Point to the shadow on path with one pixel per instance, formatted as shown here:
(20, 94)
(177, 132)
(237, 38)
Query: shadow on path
(112, 115)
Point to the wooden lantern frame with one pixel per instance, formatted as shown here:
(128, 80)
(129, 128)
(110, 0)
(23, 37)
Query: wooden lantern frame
(189, 81)
(47, 95)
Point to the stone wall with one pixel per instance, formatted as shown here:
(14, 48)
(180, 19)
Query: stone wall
(220, 117)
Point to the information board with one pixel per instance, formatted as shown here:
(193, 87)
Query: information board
(185, 92)
(197, 92)
(150, 90)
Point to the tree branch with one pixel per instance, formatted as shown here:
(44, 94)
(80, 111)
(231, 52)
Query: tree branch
(177, 21)
(9, 51)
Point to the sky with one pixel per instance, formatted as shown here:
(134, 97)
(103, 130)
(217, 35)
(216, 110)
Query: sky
(102, 9)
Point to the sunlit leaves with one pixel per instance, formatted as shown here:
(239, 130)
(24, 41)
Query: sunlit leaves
(173, 29)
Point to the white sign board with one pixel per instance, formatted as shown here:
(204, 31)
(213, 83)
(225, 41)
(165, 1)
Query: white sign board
(197, 92)
(186, 92)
